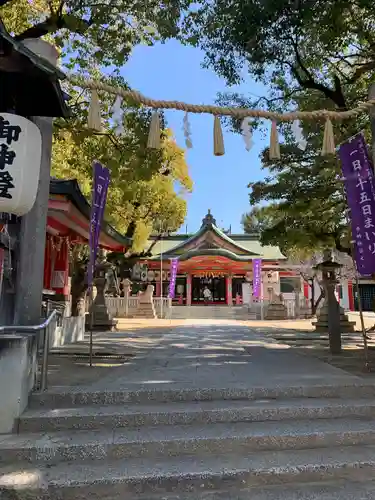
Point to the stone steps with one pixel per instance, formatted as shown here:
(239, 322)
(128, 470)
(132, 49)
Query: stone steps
(338, 490)
(172, 441)
(193, 413)
(130, 478)
(209, 312)
(64, 398)
(191, 443)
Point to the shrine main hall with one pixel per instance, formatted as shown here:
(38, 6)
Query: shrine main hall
(219, 261)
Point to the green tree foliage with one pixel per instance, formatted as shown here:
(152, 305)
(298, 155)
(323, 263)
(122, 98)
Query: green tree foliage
(94, 31)
(311, 54)
(92, 35)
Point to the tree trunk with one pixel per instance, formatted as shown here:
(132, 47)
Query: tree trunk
(312, 299)
(79, 303)
(79, 300)
(315, 304)
(320, 298)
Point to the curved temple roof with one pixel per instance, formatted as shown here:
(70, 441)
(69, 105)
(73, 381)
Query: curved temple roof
(209, 240)
(71, 190)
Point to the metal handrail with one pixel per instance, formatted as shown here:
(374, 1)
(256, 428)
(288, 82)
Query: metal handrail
(33, 329)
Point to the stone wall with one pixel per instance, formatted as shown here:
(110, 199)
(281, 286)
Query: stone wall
(18, 369)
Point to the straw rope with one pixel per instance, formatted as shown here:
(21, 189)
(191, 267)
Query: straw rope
(321, 114)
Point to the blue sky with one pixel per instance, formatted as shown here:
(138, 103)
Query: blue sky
(173, 72)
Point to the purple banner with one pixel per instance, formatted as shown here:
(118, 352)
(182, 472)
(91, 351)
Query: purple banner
(98, 200)
(257, 280)
(360, 192)
(172, 282)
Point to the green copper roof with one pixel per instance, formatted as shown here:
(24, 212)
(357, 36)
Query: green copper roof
(248, 246)
(216, 252)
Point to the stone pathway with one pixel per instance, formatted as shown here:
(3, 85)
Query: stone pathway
(197, 355)
(203, 411)
(200, 354)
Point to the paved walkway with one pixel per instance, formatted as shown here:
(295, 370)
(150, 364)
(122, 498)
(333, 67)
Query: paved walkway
(203, 355)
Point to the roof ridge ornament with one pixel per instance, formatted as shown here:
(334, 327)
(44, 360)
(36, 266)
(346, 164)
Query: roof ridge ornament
(209, 219)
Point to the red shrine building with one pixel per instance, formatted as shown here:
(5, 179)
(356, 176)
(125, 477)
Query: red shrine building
(68, 223)
(219, 261)
(223, 262)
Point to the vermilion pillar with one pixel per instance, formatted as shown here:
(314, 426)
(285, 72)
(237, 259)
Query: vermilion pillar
(60, 271)
(306, 290)
(188, 289)
(47, 263)
(351, 296)
(228, 289)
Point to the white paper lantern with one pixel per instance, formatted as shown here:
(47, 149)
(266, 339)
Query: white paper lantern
(20, 156)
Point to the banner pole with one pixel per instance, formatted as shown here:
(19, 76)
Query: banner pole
(360, 310)
(161, 276)
(364, 334)
(91, 323)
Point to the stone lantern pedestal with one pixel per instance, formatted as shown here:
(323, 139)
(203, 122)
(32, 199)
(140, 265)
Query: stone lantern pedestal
(276, 309)
(99, 318)
(321, 323)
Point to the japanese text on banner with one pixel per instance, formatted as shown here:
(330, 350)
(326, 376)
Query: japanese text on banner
(257, 282)
(99, 197)
(360, 192)
(172, 282)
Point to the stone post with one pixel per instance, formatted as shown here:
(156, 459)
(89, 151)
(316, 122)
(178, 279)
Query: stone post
(30, 269)
(296, 303)
(127, 290)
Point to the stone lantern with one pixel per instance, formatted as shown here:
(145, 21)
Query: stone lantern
(331, 317)
(99, 317)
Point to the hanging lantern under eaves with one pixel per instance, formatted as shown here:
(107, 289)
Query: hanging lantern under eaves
(20, 156)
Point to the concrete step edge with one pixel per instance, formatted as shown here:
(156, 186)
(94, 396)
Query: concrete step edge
(327, 490)
(86, 418)
(63, 397)
(142, 476)
(185, 440)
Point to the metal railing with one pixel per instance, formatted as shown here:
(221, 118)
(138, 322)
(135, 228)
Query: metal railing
(34, 329)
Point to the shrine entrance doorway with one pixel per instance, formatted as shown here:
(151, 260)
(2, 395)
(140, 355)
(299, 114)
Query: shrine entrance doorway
(216, 286)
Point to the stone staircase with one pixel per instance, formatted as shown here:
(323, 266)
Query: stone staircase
(204, 444)
(144, 310)
(216, 312)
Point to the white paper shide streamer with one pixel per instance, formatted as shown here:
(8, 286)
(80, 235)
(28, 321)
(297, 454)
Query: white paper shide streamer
(247, 133)
(298, 135)
(117, 115)
(187, 131)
